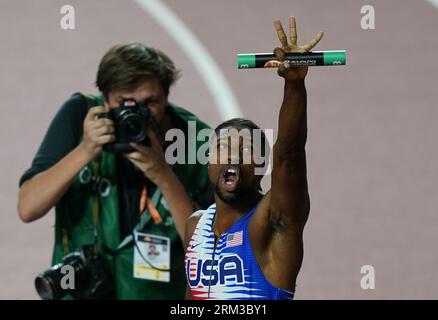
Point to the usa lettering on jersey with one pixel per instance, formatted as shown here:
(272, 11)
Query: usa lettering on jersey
(226, 271)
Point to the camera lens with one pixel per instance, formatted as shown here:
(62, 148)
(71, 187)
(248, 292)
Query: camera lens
(47, 284)
(88, 277)
(44, 288)
(133, 128)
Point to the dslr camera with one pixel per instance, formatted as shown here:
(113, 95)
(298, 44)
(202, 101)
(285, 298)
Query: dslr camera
(92, 279)
(131, 121)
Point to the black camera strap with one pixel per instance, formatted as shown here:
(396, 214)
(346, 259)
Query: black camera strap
(96, 208)
(91, 101)
(95, 218)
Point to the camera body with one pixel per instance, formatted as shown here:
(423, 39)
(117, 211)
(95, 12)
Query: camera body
(92, 279)
(131, 121)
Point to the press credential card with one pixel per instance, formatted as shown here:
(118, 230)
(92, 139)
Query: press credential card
(155, 250)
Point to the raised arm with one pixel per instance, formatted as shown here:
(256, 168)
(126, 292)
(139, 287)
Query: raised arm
(289, 202)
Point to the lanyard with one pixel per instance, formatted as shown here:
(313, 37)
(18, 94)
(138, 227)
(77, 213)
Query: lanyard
(146, 202)
(149, 212)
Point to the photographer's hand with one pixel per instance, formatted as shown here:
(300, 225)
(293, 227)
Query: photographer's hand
(151, 161)
(97, 132)
(40, 193)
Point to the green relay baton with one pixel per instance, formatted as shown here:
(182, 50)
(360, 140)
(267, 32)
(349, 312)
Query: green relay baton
(269, 60)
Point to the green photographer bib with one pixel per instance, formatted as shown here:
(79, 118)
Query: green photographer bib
(89, 213)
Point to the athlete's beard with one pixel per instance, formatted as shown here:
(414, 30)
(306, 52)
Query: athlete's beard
(228, 197)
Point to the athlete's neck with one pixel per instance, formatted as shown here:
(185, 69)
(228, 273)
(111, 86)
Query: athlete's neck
(228, 213)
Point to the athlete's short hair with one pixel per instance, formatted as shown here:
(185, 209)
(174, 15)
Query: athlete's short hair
(241, 123)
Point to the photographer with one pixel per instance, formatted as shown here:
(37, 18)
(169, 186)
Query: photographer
(102, 164)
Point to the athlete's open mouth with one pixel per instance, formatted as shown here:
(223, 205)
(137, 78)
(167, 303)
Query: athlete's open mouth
(230, 177)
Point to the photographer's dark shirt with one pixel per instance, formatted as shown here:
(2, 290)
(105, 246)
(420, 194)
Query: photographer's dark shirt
(64, 134)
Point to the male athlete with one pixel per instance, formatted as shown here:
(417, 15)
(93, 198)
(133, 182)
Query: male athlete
(248, 245)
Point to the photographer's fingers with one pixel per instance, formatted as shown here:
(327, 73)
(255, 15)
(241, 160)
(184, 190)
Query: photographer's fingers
(93, 112)
(107, 138)
(139, 164)
(98, 132)
(155, 142)
(101, 132)
(139, 147)
(103, 122)
(93, 130)
(138, 156)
